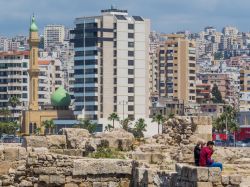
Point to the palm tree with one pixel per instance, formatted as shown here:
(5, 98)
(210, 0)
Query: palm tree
(49, 124)
(14, 101)
(126, 124)
(113, 117)
(88, 125)
(140, 127)
(160, 119)
(108, 127)
(5, 112)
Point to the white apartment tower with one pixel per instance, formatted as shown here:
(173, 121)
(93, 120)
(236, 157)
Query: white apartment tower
(111, 65)
(53, 34)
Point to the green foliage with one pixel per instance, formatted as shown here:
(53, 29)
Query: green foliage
(88, 125)
(140, 127)
(227, 118)
(217, 98)
(105, 152)
(14, 101)
(126, 123)
(113, 117)
(108, 127)
(160, 119)
(8, 128)
(49, 124)
(38, 131)
(6, 113)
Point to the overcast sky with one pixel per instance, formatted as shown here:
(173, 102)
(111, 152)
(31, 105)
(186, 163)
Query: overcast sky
(166, 15)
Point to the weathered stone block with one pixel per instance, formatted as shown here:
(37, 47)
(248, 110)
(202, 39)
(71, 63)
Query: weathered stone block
(56, 141)
(35, 141)
(44, 178)
(214, 175)
(11, 153)
(70, 185)
(199, 174)
(102, 166)
(5, 166)
(57, 179)
(100, 184)
(25, 183)
(203, 184)
(235, 179)
(224, 179)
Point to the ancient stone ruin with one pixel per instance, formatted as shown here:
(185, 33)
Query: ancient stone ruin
(165, 160)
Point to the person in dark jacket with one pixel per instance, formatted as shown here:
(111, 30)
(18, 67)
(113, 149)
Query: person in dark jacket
(206, 154)
(197, 150)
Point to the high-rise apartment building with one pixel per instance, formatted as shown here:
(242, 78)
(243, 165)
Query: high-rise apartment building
(14, 80)
(177, 68)
(53, 34)
(111, 65)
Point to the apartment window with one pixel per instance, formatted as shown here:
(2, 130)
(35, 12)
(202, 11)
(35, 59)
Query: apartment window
(130, 26)
(192, 65)
(130, 81)
(175, 58)
(192, 71)
(115, 108)
(131, 44)
(115, 80)
(131, 71)
(115, 90)
(115, 71)
(130, 35)
(130, 62)
(130, 89)
(131, 53)
(115, 25)
(115, 99)
(130, 107)
(115, 53)
(192, 58)
(131, 117)
(130, 98)
(115, 44)
(115, 62)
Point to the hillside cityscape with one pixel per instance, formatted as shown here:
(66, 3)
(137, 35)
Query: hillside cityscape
(111, 102)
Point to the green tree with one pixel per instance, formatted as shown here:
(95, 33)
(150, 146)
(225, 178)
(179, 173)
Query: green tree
(88, 125)
(49, 124)
(6, 113)
(159, 119)
(8, 128)
(140, 127)
(108, 127)
(126, 123)
(217, 98)
(14, 101)
(113, 117)
(227, 119)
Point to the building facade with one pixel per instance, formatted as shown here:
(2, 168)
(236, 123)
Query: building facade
(111, 65)
(177, 68)
(53, 34)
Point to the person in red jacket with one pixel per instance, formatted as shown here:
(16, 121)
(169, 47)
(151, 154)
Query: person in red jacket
(206, 154)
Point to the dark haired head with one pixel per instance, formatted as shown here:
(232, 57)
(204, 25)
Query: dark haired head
(210, 143)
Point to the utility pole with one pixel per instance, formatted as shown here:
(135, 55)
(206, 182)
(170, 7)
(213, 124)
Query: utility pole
(123, 103)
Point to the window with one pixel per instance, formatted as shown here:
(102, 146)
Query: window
(115, 53)
(131, 53)
(130, 98)
(130, 35)
(131, 117)
(130, 62)
(131, 44)
(115, 62)
(115, 71)
(130, 107)
(130, 89)
(130, 81)
(115, 90)
(115, 99)
(192, 58)
(130, 26)
(115, 80)
(131, 71)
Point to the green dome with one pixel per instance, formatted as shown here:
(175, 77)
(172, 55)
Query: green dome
(60, 98)
(33, 26)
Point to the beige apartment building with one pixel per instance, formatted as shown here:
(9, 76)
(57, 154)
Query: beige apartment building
(111, 65)
(177, 68)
